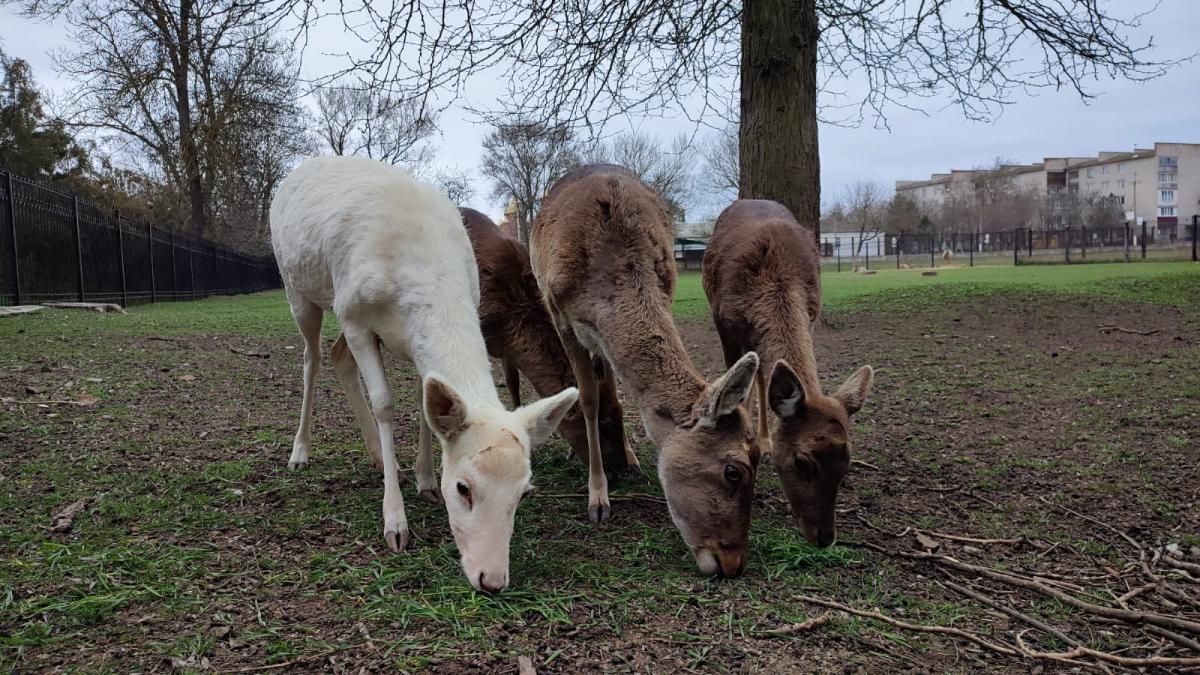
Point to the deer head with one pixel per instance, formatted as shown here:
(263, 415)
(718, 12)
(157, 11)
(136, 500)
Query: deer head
(810, 445)
(486, 472)
(707, 465)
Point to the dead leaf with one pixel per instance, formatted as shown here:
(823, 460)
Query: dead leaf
(926, 542)
(33, 391)
(525, 666)
(188, 378)
(65, 518)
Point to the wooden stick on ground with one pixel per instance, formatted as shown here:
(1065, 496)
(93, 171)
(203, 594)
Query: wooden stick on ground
(801, 627)
(1000, 607)
(1128, 661)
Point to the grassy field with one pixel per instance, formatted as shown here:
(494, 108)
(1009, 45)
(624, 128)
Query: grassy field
(197, 550)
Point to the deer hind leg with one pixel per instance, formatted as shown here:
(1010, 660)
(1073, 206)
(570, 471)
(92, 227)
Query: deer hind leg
(599, 509)
(347, 371)
(365, 349)
(308, 320)
(427, 485)
(512, 380)
(609, 399)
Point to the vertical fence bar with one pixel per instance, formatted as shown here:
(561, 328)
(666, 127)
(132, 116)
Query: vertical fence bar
(932, 261)
(837, 244)
(1083, 243)
(174, 274)
(1016, 249)
(1030, 231)
(150, 243)
(1143, 240)
(12, 227)
(1195, 232)
(972, 251)
(898, 243)
(191, 270)
(1127, 241)
(121, 255)
(78, 247)
(1067, 242)
(867, 249)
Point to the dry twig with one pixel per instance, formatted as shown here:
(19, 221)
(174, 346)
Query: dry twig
(1128, 661)
(801, 627)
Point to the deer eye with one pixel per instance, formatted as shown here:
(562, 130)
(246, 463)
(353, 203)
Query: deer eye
(732, 473)
(465, 491)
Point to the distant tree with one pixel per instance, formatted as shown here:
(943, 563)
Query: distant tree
(32, 143)
(668, 171)
(456, 183)
(903, 217)
(358, 120)
(865, 204)
(721, 170)
(524, 158)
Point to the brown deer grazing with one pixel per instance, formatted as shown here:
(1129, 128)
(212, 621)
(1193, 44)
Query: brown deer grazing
(519, 332)
(602, 254)
(762, 278)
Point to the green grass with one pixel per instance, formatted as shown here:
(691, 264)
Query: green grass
(907, 289)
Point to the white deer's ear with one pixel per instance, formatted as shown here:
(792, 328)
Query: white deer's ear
(541, 418)
(785, 391)
(444, 410)
(853, 392)
(729, 391)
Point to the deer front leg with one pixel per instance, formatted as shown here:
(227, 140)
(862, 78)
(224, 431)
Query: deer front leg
(599, 509)
(512, 380)
(308, 320)
(347, 371)
(366, 352)
(427, 485)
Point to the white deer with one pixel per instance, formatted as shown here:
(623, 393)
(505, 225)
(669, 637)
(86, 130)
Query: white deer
(389, 257)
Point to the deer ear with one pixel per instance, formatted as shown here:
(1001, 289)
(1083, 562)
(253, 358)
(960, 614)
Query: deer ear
(729, 391)
(785, 391)
(541, 418)
(444, 409)
(853, 392)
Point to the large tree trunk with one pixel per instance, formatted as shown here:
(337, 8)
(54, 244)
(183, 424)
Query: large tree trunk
(777, 138)
(187, 136)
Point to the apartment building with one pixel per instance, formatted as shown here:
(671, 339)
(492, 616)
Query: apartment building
(1158, 186)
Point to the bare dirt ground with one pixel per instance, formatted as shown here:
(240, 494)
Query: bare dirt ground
(1005, 432)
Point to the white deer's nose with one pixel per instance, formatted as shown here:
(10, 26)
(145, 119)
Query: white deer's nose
(493, 583)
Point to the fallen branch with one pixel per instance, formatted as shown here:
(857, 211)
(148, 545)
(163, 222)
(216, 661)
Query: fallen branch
(1109, 329)
(801, 627)
(865, 465)
(1175, 637)
(1129, 661)
(972, 540)
(1180, 564)
(297, 661)
(1092, 520)
(1000, 607)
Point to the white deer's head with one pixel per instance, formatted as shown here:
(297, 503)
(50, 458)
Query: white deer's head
(485, 471)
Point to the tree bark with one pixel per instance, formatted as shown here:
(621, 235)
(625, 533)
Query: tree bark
(777, 140)
(187, 138)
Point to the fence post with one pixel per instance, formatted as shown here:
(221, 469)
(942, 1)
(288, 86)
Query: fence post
(1083, 243)
(1143, 240)
(972, 256)
(897, 245)
(1030, 243)
(1127, 241)
(191, 270)
(150, 244)
(1067, 242)
(837, 245)
(174, 274)
(867, 249)
(932, 262)
(121, 255)
(1016, 249)
(12, 226)
(78, 246)
(1195, 232)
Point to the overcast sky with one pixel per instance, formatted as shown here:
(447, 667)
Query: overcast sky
(915, 145)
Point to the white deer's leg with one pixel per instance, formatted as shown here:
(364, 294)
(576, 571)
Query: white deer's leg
(347, 371)
(427, 485)
(599, 509)
(308, 320)
(365, 350)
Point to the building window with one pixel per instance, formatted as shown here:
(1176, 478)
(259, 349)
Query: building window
(1104, 185)
(1166, 196)
(1168, 162)
(1104, 169)
(1122, 198)
(1166, 210)
(1091, 173)
(1120, 183)
(1120, 168)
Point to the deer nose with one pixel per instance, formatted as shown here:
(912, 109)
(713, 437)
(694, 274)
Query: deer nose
(732, 563)
(490, 586)
(825, 538)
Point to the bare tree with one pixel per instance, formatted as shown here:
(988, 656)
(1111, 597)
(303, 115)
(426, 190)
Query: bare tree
(171, 77)
(668, 171)
(721, 172)
(865, 204)
(587, 63)
(523, 158)
(358, 120)
(456, 183)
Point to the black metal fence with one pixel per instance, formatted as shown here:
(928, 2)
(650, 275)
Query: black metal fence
(1022, 246)
(57, 247)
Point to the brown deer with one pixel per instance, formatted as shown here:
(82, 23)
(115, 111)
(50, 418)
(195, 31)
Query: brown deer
(762, 277)
(602, 254)
(519, 333)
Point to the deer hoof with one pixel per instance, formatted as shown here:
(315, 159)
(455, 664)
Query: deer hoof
(432, 495)
(295, 465)
(599, 513)
(397, 541)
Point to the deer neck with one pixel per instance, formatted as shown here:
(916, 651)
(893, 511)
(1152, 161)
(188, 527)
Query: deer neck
(788, 336)
(447, 341)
